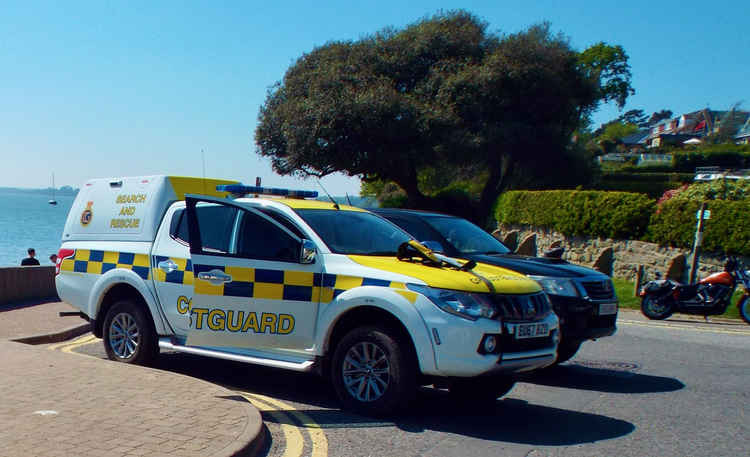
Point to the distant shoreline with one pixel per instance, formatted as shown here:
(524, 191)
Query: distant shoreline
(64, 190)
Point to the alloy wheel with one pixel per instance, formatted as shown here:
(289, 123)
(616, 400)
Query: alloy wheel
(124, 335)
(366, 371)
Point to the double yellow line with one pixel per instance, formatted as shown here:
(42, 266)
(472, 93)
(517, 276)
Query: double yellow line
(68, 346)
(291, 421)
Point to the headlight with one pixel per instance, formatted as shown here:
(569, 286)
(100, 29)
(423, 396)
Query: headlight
(556, 286)
(463, 304)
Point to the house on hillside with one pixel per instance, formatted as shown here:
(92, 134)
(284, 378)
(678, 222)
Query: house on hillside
(743, 135)
(635, 142)
(693, 126)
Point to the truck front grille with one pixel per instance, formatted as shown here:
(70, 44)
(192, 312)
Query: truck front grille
(514, 308)
(599, 290)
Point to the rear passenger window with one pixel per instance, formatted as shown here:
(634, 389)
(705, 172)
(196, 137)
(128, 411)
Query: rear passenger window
(215, 224)
(178, 228)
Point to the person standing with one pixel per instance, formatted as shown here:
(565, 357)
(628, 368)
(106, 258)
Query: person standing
(30, 260)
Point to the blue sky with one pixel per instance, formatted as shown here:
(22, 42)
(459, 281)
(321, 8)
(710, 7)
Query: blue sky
(96, 89)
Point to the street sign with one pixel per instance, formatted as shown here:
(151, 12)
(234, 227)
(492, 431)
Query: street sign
(706, 214)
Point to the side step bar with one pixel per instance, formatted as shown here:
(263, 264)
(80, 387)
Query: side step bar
(306, 366)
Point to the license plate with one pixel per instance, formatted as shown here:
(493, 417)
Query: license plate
(607, 308)
(531, 330)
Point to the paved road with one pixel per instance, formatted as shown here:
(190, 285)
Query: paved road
(658, 389)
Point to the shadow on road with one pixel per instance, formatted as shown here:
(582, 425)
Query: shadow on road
(576, 376)
(508, 420)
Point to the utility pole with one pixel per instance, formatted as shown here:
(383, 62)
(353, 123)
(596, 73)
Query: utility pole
(697, 243)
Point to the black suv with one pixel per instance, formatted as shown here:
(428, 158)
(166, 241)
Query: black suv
(584, 299)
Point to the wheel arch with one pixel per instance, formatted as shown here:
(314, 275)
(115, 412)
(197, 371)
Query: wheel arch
(407, 323)
(111, 292)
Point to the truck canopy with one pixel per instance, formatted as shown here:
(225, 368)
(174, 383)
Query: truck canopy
(130, 208)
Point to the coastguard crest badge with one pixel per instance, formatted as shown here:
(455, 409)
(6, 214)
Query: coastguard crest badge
(87, 214)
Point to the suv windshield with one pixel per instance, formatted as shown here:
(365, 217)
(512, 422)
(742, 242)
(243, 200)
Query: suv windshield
(351, 232)
(466, 237)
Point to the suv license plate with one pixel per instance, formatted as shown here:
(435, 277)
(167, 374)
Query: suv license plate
(531, 330)
(607, 308)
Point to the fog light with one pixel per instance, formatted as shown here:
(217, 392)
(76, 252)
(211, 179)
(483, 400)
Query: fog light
(490, 344)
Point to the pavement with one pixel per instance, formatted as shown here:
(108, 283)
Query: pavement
(55, 403)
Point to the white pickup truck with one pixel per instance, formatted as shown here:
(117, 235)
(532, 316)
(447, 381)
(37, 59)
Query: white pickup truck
(187, 264)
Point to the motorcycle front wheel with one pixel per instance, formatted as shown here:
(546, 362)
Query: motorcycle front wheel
(655, 310)
(744, 306)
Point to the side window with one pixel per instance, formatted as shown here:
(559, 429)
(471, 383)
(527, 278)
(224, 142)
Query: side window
(260, 239)
(178, 227)
(283, 220)
(215, 224)
(415, 228)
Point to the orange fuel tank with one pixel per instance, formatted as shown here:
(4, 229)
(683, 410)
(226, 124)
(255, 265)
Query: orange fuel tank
(718, 278)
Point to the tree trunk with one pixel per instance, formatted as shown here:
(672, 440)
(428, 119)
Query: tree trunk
(495, 184)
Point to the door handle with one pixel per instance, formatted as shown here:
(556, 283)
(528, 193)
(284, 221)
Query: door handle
(215, 277)
(167, 266)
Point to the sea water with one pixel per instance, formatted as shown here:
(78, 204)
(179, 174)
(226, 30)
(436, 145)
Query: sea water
(27, 220)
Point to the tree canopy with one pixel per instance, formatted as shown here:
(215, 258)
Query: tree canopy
(442, 92)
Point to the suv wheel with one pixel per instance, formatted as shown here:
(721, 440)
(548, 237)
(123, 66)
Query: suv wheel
(566, 350)
(373, 371)
(129, 336)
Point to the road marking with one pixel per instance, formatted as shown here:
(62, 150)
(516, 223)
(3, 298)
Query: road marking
(682, 327)
(293, 440)
(289, 419)
(67, 346)
(300, 419)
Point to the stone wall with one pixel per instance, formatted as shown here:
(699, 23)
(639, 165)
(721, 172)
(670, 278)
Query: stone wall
(627, 254)
(19, 284)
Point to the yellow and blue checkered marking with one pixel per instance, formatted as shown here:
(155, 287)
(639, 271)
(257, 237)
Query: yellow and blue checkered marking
(182, 275)
(284, 284)
(99, 262)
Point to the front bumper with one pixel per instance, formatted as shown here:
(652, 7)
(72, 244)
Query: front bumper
(580, 320)
(457, 343)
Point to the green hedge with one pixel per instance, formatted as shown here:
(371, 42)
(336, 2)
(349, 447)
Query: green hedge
(620, 215)
(724, 156)
(726, 231)
(652, 184)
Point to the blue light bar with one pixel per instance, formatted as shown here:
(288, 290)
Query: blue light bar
(241, 189)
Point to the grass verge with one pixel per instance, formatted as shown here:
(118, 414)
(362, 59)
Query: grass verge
(625, 293)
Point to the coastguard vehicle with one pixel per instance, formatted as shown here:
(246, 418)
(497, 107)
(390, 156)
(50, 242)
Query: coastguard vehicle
(277, 279)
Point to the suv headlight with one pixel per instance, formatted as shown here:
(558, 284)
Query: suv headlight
(467, 305)
(556, 286)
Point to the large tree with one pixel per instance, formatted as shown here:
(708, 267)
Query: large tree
(441, 91)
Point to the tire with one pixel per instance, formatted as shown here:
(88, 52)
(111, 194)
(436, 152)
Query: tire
(385, 380)
(129, 335)
(567, 350)
(744, 307)
(482, 390)
(651, 309)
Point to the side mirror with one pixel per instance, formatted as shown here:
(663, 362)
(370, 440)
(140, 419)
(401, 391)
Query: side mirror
(307, 252)
(433, 246)
(555, 253)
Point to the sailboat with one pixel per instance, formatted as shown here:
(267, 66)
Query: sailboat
(52, 201)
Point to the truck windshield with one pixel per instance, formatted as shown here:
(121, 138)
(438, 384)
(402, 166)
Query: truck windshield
(466, 237)
(352, 232)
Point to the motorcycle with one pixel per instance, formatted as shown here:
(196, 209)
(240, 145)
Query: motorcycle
(710, 296)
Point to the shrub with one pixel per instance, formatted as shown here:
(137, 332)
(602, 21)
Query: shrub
(720, 189)
(720, 155)
(726, 231)
(619, 215)
(652, 184)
